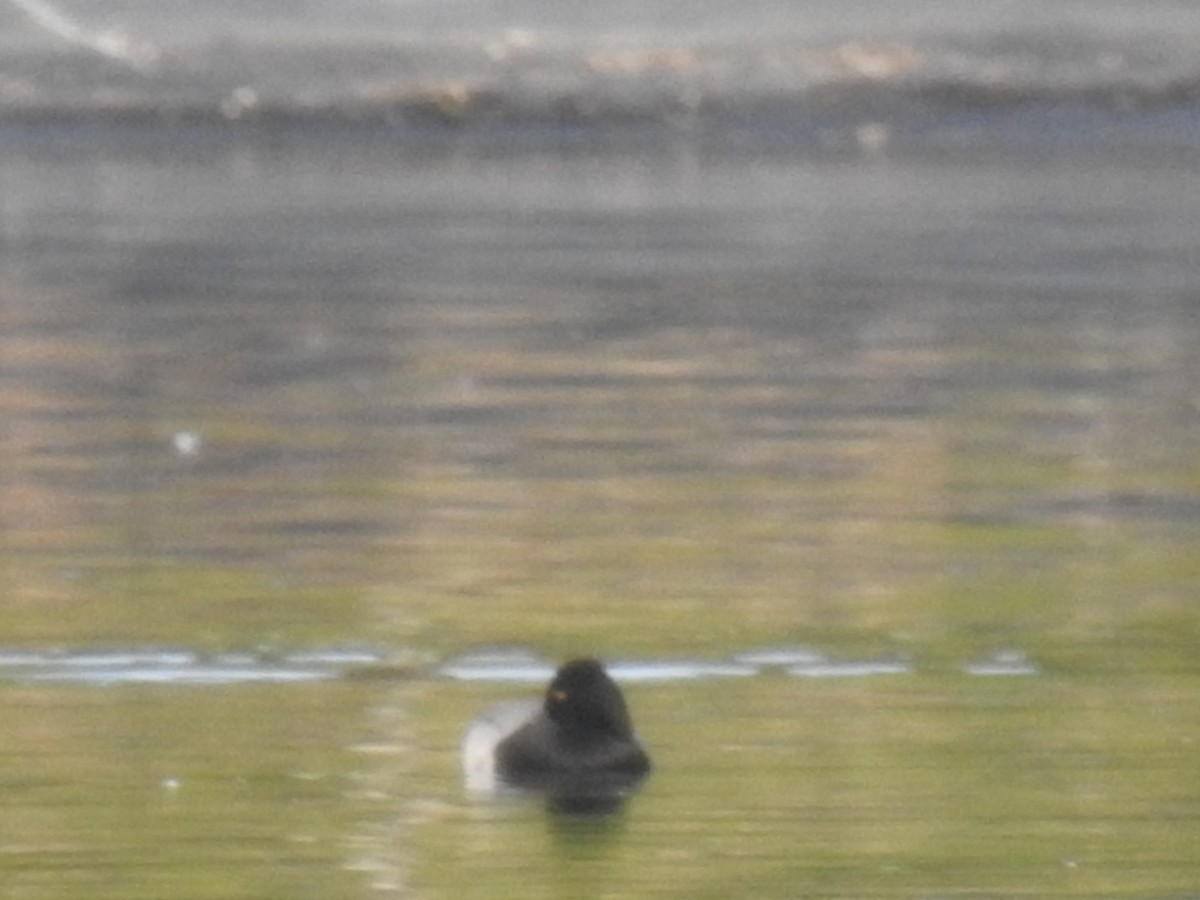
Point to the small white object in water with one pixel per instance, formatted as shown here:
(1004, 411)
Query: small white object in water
(186, 443)
(873, 137)
(171, 784)
(239, 102)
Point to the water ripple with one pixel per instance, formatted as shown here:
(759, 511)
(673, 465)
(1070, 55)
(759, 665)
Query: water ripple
(1002, 663)
(169, 665)
(182, 666)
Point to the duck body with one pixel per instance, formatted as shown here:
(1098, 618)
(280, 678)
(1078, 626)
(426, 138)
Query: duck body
(578, 741)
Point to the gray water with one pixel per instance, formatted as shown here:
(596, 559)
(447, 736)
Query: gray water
(833, 377)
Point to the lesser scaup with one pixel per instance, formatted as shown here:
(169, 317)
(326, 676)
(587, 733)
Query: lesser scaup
(578, 742)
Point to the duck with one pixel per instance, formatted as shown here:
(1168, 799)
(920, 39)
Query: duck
(578, 741)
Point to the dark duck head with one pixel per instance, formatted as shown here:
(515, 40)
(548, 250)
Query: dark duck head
(587, 706)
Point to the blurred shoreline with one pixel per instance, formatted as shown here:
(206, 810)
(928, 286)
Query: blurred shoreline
(1114, 77)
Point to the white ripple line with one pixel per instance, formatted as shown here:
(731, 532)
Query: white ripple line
(107, 43)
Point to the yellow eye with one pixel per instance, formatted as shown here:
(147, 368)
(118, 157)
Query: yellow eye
(558, 696)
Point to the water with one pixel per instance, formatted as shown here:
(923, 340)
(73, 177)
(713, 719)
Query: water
(833, 376)
(915, 784)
